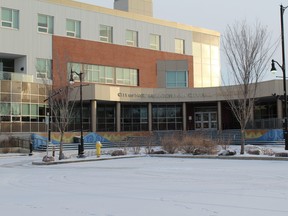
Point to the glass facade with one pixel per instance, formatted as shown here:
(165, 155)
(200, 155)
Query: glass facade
(134, 117)
(22, 106)
(206, 54)
(167, 117)
(106, 117)
(74, 124)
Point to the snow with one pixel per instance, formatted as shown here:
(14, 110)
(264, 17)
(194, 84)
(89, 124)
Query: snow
(143, 186)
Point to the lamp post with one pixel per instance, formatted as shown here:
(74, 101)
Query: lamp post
(273, 69)
(81, 146)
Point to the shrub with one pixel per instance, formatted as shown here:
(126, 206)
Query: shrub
(170, 144)
(198, 144)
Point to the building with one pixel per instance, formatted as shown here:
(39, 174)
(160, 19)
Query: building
(142, 73)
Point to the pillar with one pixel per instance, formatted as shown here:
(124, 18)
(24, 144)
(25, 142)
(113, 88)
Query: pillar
(219, 117)
(93, 115)
(118, 117)
(184, 116)
(150, 117)
(279, 109)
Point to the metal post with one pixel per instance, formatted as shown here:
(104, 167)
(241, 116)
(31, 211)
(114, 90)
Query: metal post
(81, 117)
(285, 129)
(81, 146)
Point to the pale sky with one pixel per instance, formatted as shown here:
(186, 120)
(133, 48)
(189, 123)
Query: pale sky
(217, 14)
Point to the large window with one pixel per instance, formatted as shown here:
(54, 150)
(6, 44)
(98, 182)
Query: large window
(45, 24)
(167, 117)
(179, 46)
(155, 42)
(134, 117)
(73, 28)
(131, 38)
(10, 18)
(176, 79)
(125, 76)
(43, 67)
(106, 74)
(106, 34)
(106, 117)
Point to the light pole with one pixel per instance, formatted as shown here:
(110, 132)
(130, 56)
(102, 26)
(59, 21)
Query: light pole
(81, 146)
(273, 69)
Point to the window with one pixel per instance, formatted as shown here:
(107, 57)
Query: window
(179, 46)
(45, 24)
(176, 79)
(155, 42)
(106, 33)
(43, 67)
(106, 74)
(10, 18)
(73, 28)
(125, 76)
(131, 38)
(167, 117)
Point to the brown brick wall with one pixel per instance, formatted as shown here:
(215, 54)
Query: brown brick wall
(90, 52)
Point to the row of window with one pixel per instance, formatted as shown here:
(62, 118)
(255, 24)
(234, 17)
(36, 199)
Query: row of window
(106, 74)
(135, 117)
(10, 19)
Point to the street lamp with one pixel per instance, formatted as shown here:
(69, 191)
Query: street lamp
(273, 70)
(81, 146)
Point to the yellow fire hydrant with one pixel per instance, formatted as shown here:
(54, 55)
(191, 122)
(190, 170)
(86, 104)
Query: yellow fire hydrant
(98, 148)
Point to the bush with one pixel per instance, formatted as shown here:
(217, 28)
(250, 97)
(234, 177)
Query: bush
(170, 144)
(198, 144)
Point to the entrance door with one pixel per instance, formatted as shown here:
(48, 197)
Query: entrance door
(205, 120)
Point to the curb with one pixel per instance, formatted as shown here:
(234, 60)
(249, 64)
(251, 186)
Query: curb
(41, 163)
(223, 157)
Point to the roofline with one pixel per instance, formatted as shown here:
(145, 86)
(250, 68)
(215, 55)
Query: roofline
(138, 17)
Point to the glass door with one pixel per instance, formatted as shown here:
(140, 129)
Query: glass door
(205, 120)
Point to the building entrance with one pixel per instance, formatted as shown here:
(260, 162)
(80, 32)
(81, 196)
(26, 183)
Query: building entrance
(205, 120)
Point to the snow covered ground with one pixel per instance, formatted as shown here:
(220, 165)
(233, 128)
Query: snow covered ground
(144, 186)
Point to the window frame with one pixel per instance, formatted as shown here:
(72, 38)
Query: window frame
(133, 41)
(155, 46)
(47, 72)
(177, 83)
(14, 15)
(49, 28)
(179, 50)
(108, 31)
(73, 33)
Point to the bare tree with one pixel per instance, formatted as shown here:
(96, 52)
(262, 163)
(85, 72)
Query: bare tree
(248, 51)
(61, 107)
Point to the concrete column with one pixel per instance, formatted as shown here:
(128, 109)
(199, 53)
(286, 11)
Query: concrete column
(93, 115)
(118, 117)
(184, 116)
(150, 117)
(279, 109)
(219, 117)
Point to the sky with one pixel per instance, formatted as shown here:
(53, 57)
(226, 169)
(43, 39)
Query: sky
(143, 186)
(216, 15)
